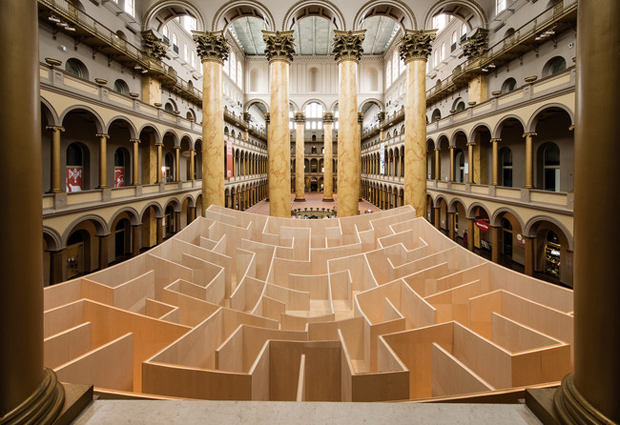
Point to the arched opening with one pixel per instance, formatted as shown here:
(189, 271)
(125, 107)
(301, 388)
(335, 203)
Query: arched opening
(122, 240)
(505, 155)
(459, 166)
(78, 252)
(169, 222)
(121, 87)
(554, 65)
(75, 170)
(121, 167)
(509, 85)
(551, 166)
(76, 67)
(436, 116)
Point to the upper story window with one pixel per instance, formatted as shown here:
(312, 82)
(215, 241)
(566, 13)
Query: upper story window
(165, 31)
(554, 65)
(500, 5)
(232, 62)
(188, 23)
(130, 7)
(121, 86)
(388, 74)
(185, 53)
(453, 42)
(443, 51)
(395, 61)
(76, 67)
(239, 75)
(440, 21)
(464, 30)
(175, 43)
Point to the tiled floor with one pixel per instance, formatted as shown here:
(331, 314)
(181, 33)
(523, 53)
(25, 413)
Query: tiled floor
(313, 200)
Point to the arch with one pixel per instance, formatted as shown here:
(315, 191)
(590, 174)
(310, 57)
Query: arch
(190, 199)
(73, 108)
(132, 128)
(303, 9)
(529, 230)
(497, 131)
(54, 240)
(509, 85)
(159, 211)
(455, 135)
(100, 225)
(154, 129)
(396, 10)
(131, 211)
(467, 11)
(452, 204)
(494, 219)
(50, 113)
(175, 204)
(478, 127)
(533, 121)
(254, 101)
(313, 100)
(186, 8)
(76, 67)
(371, 100)
(174, 135)
(438, 198)
(232, 10)
(469, 211)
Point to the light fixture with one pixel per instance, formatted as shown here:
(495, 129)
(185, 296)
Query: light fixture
(61, 24)
(137, 67)
(53, 19)
(491, 65)
(485, 69)
(70, 28)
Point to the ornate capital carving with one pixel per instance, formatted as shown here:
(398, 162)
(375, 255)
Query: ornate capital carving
(267, 117)
(381, 116)
(348, 45)
(279, 45)
(328, 118)
(153, 46)
(211, 46)
(476, 45)
(360, 117)
(300, 117)
(416, 44)
(529, 135)
(247, 117)
(495, 140)
(55, 128)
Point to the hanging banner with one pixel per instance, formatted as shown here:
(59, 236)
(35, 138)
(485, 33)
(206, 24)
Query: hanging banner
(382, 159)
(119, 177)
(229, 159)
(74, 179)
(483, 225)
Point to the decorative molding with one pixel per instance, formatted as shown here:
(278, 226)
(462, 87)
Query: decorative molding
(211, 46)
(348, 45)
(416, 45)
(328, 117)
(477, 44)
(300, 117)
(279, 45)
(153, 46)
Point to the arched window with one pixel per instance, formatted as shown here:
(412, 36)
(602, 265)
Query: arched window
(169, 107)
(551, 166)
(75, 168)
(76, 67)
(191, 115)
(232, 60)
(436, 115)
(166, 33)
(509, 85)
(460, 106)
(554, 65)
(505, 155)
(175, 43)
(464, 30)
(121, 86)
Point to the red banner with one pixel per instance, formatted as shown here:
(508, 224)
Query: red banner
(119, 177)
(74, 179)
(229, 159)
(482, 225)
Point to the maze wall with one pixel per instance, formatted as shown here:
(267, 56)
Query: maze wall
(377, 307)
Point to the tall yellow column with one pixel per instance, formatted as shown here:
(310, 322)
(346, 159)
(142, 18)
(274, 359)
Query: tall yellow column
(280, 47)
(437, 165)
(103, 160)
(213, 51)
(494, 143)
(414, 50)
(470, 161)
(590, 395)
(135, 178)
(192, 170)
(528, 160)
(177, 164)
(452, 163)
(358, 161)
(328, 158)
(300, 120)
(158, 171)
(348, 50)
(28, 392)
(56, 130)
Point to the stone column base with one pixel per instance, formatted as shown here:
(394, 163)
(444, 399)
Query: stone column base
(300, 199)
(328, 199)
(572, 408)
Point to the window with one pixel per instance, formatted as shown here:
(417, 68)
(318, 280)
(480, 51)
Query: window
(175, 43)
(395, 64)
(166, 33)
(232, 61)
(121, 86)
(460, 106)
(551, 165)
(169, 107)
(388, 74)
(436, 115)
(453, 42)
(130, 6)
(239, 75)
(188, 23)
(436, 58)
(554, 65)
(76, 67)
(443, 51)
(440, 21)
(509, 85)
(185, 53)
(500, 5)
(464, 31)
(506, 164)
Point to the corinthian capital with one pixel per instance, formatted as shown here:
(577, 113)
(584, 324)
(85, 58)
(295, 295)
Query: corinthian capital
(280, 45)
(328, 117)
(211, 46)
(348, 45)
(416, 44)
(152, 46)
(477, 44)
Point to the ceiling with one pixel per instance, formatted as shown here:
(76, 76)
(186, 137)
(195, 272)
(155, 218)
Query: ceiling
(314, 35)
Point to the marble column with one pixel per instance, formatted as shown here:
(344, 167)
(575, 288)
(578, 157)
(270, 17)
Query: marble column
(528, 160)
(55, 171)
(103, 160)
(279, 50)
(177, 164)
(192, 169)
(328, 158)
(495, 248)
(158, 172)
(213, 51)
(470, 162)
(28, 392)
(135, 178)
(136, 239)
(348, 51)
(415, 48)
(300, 120)
(437, 165)
(494, 143)
(358, 161)
(452, 163)
(590, 395)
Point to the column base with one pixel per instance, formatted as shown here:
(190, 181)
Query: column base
(300, 199)
(328, 199)
(571, 407)
(40, 407)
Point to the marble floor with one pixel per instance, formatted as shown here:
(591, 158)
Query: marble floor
(275, 413)
(313, 200)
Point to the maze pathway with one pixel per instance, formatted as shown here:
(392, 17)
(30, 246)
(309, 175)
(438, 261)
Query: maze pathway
(239, 306)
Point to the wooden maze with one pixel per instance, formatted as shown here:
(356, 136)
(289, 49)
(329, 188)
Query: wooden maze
(239, 306)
